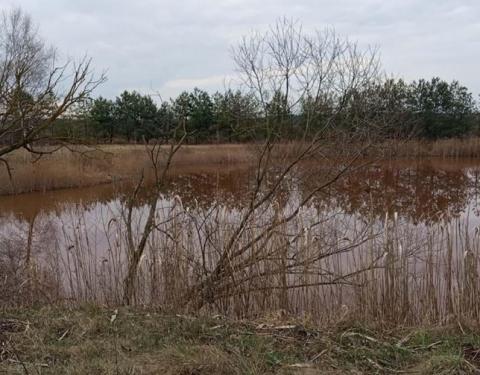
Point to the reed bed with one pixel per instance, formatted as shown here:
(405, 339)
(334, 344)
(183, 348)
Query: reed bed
(323, 265)
(88, 166)
(442, 148)
(81, 166)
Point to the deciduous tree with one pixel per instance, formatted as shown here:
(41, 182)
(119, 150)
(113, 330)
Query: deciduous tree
(36, 88)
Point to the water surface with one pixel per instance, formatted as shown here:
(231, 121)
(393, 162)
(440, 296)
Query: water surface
(399, 217)
(426, 190)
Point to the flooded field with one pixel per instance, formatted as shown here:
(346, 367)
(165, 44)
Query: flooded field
(396, 240)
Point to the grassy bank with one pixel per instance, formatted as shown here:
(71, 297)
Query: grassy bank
(98, 341)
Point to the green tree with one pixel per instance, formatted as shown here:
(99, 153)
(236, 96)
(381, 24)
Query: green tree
(315, 111)
(165, 119)
(375, 104)
(102, 113)
(443, 109)
(182, 109)
(135, 115)
(233, 115)
(201, 114)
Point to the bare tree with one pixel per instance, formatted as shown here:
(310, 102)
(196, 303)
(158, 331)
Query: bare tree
(35, 88)
(257, 252)
(322, 67)
(289, 64)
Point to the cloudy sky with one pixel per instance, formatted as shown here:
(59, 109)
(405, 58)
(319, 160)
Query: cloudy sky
(168, 46)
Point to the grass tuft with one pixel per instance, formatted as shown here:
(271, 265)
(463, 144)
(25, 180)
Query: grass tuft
(55, 340)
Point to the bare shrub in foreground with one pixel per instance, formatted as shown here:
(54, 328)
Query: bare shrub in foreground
(284, 68)
(336, 266)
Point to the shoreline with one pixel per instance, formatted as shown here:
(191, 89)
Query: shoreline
(108, 164)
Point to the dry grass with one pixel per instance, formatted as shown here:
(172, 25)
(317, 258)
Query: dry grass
(110, 163)
(444, 148)
(105, 164)
(321, 263)
(322, 266)
(91, 340)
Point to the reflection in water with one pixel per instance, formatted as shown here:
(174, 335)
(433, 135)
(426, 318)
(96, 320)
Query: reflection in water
(224, 184)
(418, 190)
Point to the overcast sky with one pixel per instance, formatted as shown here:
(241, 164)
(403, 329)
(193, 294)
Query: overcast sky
(169, 46)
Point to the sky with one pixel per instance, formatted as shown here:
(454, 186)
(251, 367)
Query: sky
(164, 47)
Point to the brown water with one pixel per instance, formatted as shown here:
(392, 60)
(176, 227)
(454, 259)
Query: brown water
(426, 190)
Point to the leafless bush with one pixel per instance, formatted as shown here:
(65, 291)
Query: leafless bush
(284, 68)
(252, 254)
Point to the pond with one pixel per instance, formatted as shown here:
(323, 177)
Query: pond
(399, 234)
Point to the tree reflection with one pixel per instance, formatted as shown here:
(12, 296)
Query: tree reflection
(420, 192)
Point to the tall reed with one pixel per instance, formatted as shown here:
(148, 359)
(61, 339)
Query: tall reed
(323, 264)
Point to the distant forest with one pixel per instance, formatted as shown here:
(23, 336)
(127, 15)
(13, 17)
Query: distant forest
(429, 109)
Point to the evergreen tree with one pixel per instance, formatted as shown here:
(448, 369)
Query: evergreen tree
(135, 115)
(102, 113)
(201, 114)
(443, 109)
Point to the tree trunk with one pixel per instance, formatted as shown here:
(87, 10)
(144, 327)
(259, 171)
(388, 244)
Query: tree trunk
(129, 283)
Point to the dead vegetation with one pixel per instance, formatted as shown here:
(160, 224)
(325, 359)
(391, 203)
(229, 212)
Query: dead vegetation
(91, 340)
(277, 247)
(442, 148)
(327, 266)
(88, 166)
(105, 164)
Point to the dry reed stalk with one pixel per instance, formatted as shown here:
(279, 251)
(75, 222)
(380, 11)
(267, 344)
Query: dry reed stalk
(324, 265)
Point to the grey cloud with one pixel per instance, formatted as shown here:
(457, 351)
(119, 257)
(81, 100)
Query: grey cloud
(167, 46)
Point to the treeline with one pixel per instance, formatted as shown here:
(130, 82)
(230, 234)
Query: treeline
(133, 117)
(424, 108)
